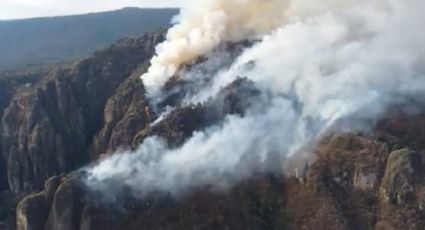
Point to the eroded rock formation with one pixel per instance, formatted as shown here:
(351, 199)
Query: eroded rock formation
(371, 180)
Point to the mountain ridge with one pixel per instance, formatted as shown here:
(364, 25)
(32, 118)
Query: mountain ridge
(87, 13)
(356, 181)
(45, 40)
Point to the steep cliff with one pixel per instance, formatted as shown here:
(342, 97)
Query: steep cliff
(48, 129)
(358, 181)
(9, 83)
(369, 180)
(124, 116)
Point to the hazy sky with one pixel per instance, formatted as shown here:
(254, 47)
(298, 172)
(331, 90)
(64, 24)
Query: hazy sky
(12, 9)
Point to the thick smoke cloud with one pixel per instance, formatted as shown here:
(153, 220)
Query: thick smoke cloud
(200, 161)
(326, 62)
(205, 25)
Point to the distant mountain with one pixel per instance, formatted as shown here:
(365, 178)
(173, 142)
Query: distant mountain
(38, 41)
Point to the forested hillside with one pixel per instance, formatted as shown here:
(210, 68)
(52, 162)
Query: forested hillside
(39, 41)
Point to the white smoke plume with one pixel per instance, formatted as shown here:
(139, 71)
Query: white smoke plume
(327, 61)
(206, 24)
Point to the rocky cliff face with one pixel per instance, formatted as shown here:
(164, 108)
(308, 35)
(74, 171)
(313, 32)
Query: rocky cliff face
(356, 181)
(124, 116)
(48, 129)
(9, 83)
(49, 121)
